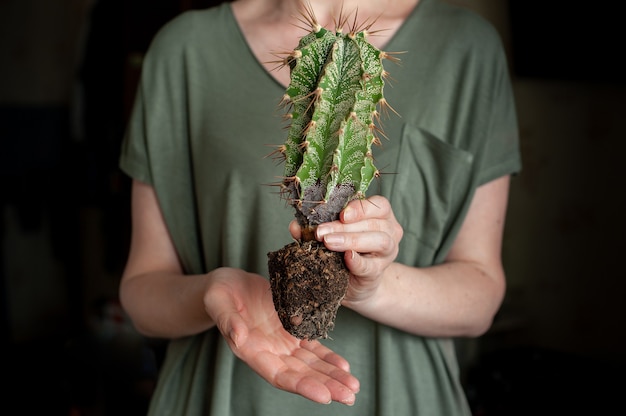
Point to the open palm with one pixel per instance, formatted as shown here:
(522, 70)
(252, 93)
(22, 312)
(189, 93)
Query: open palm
(241, 305)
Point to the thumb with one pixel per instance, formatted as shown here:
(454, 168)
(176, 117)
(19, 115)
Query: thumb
(295, 230)
(233, 328)
(238, 333)
(354, 262)
(230, 322)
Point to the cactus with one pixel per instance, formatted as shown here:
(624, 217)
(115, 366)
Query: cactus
(335, 91)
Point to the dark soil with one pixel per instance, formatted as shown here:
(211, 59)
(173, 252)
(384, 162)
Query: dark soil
(308, 283)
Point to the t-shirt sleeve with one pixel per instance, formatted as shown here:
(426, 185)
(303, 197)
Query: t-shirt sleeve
(499, 154)
(157, 124)
(134, 156)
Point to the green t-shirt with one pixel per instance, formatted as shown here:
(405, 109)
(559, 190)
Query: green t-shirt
(205, 113)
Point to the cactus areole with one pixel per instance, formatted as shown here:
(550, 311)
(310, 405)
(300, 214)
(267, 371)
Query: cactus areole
(335, 91)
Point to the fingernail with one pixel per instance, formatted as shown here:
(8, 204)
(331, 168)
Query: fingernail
(321, 231)
(349, 401)
(233, 338)
(348, 214)
(334, 238)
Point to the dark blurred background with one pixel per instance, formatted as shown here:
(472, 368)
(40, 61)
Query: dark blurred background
(67, 81)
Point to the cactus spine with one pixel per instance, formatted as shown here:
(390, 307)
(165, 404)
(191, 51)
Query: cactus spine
(337, 82)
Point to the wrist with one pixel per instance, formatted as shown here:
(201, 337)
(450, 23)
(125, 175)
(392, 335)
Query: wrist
(379, 301)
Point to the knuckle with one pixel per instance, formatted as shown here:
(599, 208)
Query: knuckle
(398, 230)
(365, 267)
(387, 244)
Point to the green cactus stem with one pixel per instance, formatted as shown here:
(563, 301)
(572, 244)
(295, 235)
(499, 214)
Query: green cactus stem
(337, 82)
(336, 89)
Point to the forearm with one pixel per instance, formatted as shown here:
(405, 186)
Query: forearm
(165, 304)
(454, 299)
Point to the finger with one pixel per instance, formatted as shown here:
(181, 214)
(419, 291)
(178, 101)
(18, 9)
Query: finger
(326, 354)
(340, 393)
(292, 375)
(237, 332)
(307, 387)
(357, 265)
(229, 320)
(376, 243)
(326, 361)
(373, 207)
(312, 378)
(342, 385)
(295, 230)
(362, 222)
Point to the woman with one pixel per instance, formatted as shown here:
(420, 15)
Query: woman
(424, 255)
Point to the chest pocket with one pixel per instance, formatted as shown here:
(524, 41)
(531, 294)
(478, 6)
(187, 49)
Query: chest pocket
(429, 191)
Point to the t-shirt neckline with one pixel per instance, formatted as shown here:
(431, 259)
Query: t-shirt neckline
(252, 57)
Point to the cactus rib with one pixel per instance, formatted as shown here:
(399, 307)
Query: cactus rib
(337, 83)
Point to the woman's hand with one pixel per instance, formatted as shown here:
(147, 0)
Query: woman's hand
(369, 234)
(240, 303)
(456, 298)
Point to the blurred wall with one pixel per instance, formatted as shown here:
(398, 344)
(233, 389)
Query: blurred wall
(41, 46)
(40, 42)
(563, 242)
